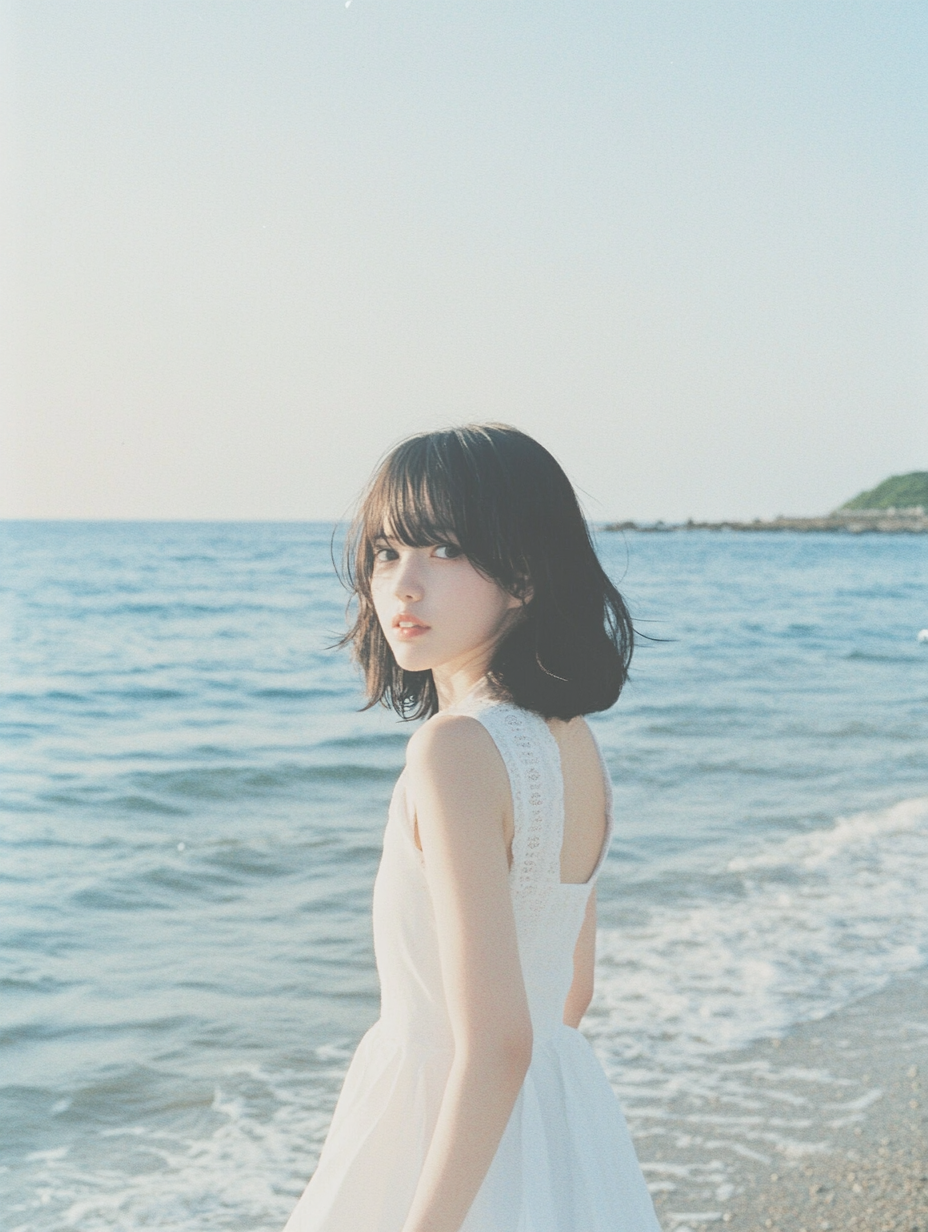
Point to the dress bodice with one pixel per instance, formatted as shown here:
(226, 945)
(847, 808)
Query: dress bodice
(548, 912)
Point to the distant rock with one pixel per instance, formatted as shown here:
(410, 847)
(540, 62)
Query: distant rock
(901, 493)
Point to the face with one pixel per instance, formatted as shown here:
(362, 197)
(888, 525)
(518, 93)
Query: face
(436, 610)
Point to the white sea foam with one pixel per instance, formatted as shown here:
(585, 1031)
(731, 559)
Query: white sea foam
(811, 923)
(785, 934)
(232, 1176)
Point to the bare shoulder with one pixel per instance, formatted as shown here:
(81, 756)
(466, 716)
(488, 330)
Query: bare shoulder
(447, 733)
(455, 746)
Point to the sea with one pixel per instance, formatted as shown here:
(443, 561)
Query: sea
(193, 800)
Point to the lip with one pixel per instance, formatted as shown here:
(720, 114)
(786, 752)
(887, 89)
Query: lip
(405, 625)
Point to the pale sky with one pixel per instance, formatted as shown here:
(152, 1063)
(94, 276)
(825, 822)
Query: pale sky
(252, 243)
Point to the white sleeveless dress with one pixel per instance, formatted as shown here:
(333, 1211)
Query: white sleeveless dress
(565, 1162)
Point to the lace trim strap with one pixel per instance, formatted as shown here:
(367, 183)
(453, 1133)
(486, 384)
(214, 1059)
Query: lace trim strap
(532, 760)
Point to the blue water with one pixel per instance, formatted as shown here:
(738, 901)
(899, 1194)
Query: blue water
(191, 817)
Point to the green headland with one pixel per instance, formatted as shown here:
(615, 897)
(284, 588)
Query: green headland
(897, 492)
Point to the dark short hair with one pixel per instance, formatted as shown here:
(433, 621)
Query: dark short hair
(515, 515)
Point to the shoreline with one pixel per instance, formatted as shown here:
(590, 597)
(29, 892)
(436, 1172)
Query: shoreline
(848, 1149)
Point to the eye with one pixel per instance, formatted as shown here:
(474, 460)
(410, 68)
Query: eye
(383, 554)
(448, 551)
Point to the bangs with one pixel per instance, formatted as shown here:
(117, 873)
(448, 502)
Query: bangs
(419, 497)
(412, 503)
(457, 484)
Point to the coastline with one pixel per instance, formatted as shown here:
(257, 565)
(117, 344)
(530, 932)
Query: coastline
(861, 522)
(849, 1149)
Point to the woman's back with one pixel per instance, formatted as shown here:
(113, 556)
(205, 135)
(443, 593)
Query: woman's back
(585, 802)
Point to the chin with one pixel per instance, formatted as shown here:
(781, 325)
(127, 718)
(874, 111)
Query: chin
(409, 661)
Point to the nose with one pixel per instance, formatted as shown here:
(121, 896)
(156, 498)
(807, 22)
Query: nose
(407, 580)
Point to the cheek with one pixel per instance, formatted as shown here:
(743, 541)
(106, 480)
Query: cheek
(482, 602)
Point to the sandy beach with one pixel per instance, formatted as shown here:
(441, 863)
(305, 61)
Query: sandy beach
(849, 1149)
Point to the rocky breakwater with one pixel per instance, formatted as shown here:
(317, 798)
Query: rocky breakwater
(912, 521)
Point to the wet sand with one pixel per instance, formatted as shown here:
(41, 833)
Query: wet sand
(834, 1129)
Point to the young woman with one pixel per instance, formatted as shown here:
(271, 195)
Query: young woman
(474, 1104)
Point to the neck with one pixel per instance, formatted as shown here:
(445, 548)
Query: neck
(453, 684)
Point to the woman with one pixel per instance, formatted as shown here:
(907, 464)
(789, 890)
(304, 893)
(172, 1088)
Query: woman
(474, 1104)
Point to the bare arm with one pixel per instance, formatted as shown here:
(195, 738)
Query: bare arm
(460, 789)
(581, 990)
